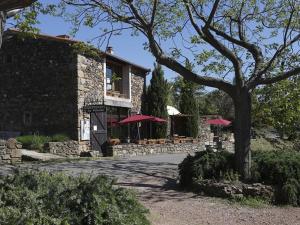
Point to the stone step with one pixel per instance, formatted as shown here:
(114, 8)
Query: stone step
(31, 155)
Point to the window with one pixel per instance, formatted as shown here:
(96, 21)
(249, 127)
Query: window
(27, 118)
(113, 78)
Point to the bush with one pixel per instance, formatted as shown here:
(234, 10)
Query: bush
(280, 169)
(34, 142)
(43, 199)
(206, 165)
(60, 138)
(37, 142)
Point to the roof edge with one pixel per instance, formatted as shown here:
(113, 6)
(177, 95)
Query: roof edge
(61, 39)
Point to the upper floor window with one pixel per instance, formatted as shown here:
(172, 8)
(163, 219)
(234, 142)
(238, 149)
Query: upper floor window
(113, 78)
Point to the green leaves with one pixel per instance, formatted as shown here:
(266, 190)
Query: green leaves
(279, 105)
(157, 97)
(45, 199)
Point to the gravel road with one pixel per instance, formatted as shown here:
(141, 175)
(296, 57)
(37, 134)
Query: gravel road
(154, 179)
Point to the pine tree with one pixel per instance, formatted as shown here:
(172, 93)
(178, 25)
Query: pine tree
(157, 101)
(188, 105)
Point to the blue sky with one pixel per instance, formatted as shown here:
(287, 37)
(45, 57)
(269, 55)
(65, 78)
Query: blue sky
(126, 46)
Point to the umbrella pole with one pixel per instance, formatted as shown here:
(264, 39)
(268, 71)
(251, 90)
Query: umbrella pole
(138, 130)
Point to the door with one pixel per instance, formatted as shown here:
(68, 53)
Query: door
(99, 131)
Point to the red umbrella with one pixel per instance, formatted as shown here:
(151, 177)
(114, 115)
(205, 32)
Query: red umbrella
(158, 120)
(219, 122)
(139, 118)
(136, 118)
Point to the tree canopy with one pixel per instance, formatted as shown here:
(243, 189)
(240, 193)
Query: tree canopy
(247, 40)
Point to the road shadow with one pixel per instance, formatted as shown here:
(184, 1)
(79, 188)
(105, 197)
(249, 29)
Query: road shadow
(153, 181)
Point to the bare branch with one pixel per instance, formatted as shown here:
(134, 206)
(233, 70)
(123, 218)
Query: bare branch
(153, 12)
(212, 14)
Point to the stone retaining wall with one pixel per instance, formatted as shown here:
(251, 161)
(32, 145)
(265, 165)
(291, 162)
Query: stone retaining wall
(228, 189)
(9, 151)
(135, 149)
(67, 148)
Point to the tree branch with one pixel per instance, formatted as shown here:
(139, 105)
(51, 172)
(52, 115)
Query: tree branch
(222, 49)
(153, 12)
(187, 74)
(212, 14)
(282, 76)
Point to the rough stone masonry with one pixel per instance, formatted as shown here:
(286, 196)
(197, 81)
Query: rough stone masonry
(10, 151)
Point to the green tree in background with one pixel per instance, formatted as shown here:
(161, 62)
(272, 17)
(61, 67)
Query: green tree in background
(216, 103)
(157, 101)
(278, 105)
(188, 104)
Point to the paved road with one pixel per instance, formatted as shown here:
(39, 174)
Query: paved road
(154, 177)
(140, 172)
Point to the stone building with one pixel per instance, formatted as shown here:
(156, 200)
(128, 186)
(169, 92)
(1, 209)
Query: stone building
(51, 85)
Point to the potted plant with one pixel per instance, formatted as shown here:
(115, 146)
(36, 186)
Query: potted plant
(113, 141)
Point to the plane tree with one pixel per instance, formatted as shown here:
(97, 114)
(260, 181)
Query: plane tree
(236, 45)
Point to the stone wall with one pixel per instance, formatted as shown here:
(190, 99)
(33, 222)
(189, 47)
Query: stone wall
(135, 149)
(38, 86)
(137, 88)
(228, 189)
(90, 89)
(10, 151)
(67, 148)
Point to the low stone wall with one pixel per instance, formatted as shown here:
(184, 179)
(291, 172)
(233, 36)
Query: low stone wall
(10, 151)
(235, 189)
(67, 148)
(135, 149)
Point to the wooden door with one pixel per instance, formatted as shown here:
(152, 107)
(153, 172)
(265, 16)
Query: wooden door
(99, 131)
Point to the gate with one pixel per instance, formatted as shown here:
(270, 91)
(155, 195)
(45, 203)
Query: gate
(99, 131)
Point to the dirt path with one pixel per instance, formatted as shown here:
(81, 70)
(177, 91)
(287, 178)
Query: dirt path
(154, 178)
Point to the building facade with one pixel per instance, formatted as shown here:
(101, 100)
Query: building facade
(48, 85)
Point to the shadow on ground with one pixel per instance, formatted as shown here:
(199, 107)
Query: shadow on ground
(153, 181)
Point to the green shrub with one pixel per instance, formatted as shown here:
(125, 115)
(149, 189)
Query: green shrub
(206, 165)
(33, 142)
(37, 142)
(60, 138)
(290, 193)
(280, 169)
(44, 199)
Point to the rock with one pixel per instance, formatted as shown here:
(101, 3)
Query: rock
(15, 153)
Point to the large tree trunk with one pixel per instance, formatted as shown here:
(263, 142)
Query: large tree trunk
(242, 133)
(2, 25)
